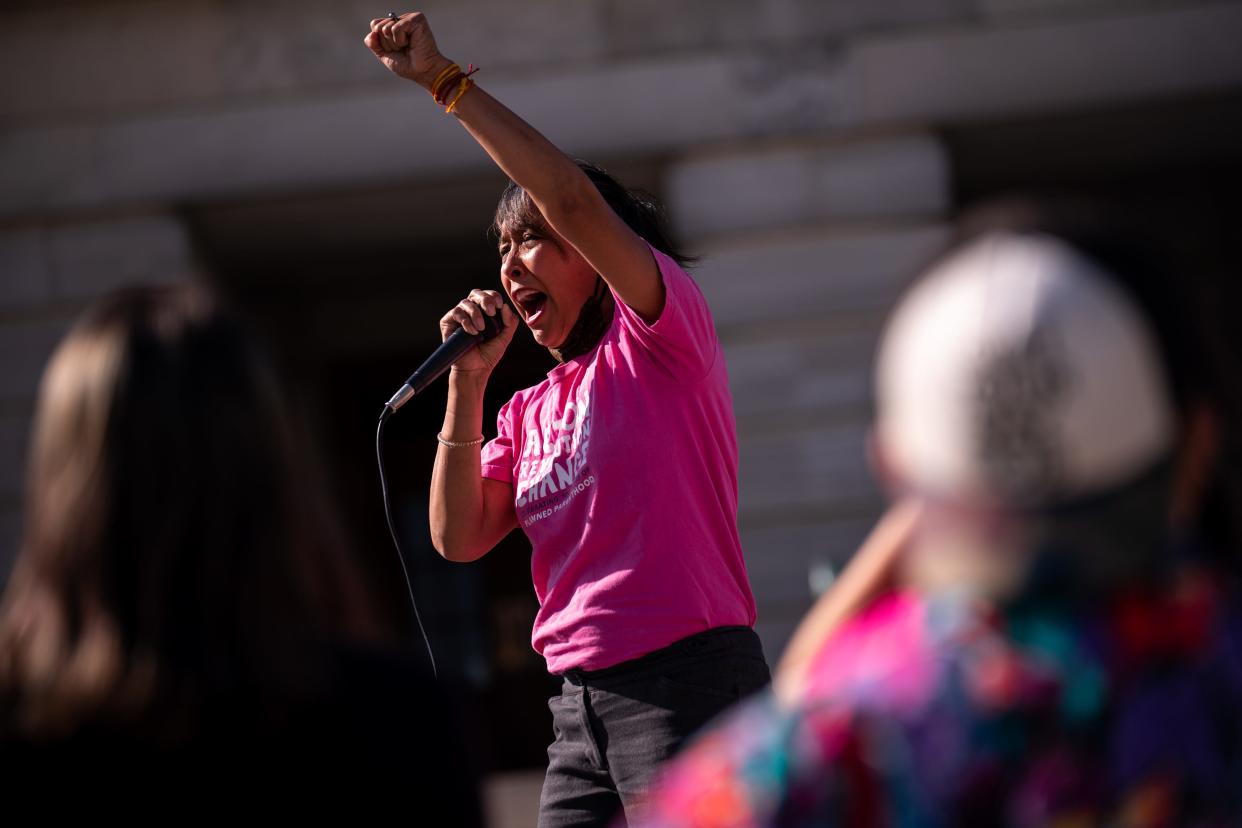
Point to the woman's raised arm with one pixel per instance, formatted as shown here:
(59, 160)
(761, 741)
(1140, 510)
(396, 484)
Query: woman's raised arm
(562, 192)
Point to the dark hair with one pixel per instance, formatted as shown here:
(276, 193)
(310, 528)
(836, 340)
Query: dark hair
(176, 544)
(640, 210)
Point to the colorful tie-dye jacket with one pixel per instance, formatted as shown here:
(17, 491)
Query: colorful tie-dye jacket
(1052, 712)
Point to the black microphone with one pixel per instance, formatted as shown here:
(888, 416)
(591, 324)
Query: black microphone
(459, 343)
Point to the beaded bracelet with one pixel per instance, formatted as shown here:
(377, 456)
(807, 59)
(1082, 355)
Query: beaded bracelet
(459, 443)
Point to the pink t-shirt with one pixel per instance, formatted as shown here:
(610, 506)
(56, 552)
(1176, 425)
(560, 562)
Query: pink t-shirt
(623, 464)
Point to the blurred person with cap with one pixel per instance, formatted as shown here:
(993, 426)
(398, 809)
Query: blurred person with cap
(183, 604)
(1055, 653)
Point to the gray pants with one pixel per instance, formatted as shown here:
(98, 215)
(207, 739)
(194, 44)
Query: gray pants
(613, 727)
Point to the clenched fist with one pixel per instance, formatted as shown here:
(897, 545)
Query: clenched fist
(407, 47)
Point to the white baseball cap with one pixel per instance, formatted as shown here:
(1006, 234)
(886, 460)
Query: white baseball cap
(1016, 371)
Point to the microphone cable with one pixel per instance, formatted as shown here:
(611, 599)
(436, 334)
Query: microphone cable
(452, 349)
(392, 530)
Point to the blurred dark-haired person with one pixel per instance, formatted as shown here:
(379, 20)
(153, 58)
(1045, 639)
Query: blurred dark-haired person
(1051, 656)
(620, 467)
(182, 594)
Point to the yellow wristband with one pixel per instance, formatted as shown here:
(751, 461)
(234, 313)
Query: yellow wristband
(466, 83)
(443, 76)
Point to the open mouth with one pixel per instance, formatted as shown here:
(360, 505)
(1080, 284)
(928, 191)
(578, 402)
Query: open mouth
(530, 302)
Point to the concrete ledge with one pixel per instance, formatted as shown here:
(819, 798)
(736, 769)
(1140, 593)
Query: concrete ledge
(812, 274)
(1068, 8)
(815, 468)
(258, 51)
(998, 71)
(511, 799)
(779, 559)
(782, 376)
(624, 109)
(772, 187)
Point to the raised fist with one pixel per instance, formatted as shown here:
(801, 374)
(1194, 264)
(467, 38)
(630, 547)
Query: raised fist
(407, 47)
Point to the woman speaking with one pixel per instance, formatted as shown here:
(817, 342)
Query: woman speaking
(620, 467)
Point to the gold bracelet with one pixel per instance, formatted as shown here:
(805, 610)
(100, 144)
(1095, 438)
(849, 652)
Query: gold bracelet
(459, 443)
